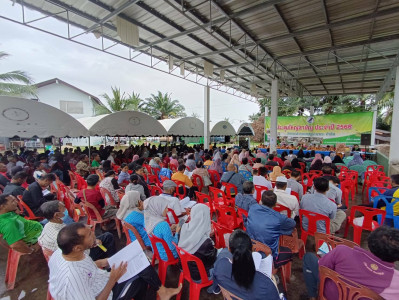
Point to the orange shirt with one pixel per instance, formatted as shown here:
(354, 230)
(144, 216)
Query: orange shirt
(183, 178)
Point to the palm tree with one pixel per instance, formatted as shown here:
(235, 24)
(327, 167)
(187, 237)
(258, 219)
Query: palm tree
(15, 83)
(119, 102)
(161, 106)
(386, 104)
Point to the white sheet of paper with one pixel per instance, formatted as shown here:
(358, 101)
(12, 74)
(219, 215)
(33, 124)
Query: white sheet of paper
(265, 265)
(186, 203)
(134, 255)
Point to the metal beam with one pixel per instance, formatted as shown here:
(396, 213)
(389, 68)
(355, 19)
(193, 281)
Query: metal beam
(389, 78)
(330, 74)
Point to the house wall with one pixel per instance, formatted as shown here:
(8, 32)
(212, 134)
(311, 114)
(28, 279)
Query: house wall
(54, 93)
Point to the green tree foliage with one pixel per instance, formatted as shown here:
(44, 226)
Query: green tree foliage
(161, 106)
(118, 102)
(385, 106)
(15, 83)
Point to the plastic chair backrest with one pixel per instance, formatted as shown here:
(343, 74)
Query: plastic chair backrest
(155, 171)
(376, 191)
(148, 168)
(246, 174)
(201, 197)
(287, 173)
(347, 289)
(260, 247)
(296, 195)
(72, 166)
(368, 214)
(377, 168)
(227, 216)
(218, 197)
(281, 208)
(47, 253)
(163, 178)
(23, 207)
(318, 172)
(303, 166)
(185, 259)
(173, 168)
(92, 207)
(342, 168)
(332, 241)
(312, 221)
(310, 177)
(215, 177)
(259, 190)
(198, 181)
(155, 190)
(129, 227)
(175, 218)
(220, 231)
(180, 189)
(73, 179)
(81, 183)
(229, 187)
(107, 196)
(156, 240)
(390, 203)
(153, 179)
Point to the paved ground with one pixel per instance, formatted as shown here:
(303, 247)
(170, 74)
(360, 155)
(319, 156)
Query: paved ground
(32, 275)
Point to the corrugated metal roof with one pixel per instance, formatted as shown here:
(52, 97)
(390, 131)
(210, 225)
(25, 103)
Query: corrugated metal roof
(312, 46)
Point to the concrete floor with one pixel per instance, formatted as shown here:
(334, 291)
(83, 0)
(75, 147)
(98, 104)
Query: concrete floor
(32, 275)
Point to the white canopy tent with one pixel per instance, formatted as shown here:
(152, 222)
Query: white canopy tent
(245, 129)
(188, 126)
(27, 118)
(124, 123)
(222, 128)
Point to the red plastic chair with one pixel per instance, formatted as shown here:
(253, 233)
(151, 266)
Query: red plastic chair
(342, 168)
(73, 182)
(12, 267)
(229, 187)
(220, 231)
(129, 227)
(99, 219)
(198, 182)
(107, 196)
(312, 223)
(175, 218)
(309, 177)
(368, 221)
(287, 173)
(23, 207)
(332, 241)
(303, 166)
(181, 192)
(148, 168)
(281, 208)
(72, 166)
(201, 197)
(81, 183)
(173, 168)
(227, 216)
(163, 178)
(75, 210)
(296, 195)
(318, 172)
(153, 179)
(374, 168)
(155, 190)
(195, 287)
(346, 187)
(215, 177)
(219, 198)
(162, 264)
(348, 289)
(374, 191)
(155, 171)
(259, 190)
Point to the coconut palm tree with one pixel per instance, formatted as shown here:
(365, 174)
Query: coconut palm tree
(15, 83)
(161, 106)
(119, 102)
(386, 105)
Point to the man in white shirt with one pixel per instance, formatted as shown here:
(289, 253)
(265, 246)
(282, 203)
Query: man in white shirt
(74, 275)
(294, 185)
(260, 179)
(111, 157)
(53, 211)
(285, 199)
(169, 189)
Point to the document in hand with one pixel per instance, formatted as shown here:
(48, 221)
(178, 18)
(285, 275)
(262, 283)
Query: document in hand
(263, 265)
(134, 255)
(186, 203)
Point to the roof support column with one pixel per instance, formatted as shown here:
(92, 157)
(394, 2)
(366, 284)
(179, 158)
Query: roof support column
(393, 153)
(206, 117)
(273, 116)
(375, 112)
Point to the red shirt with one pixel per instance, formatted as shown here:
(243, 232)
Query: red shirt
(93, 197)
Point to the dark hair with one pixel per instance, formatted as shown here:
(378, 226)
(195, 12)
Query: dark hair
(134, 178)
(109, 173)
(335, 179)
(3, 198)
(137, 167)
(123, 165)
(243, 267)
(49, 208)
(68, 237)
(95, 154)
(326, 170)
(271, 156)
(247, 187)
(190, 156)
(244, 160)
(199, 164)
(207, 157)
(300, 154)
(37, 164)
(181, 167)
(321, 184)
(106, 165)
(20, 175)
(383, 242)
(395, 178)
(258, 160)
(49, 176)
(280, 185)
(295, 173)
(312, 153)
(262, 171)
(291, 152)
(269, 198)
(92, 179)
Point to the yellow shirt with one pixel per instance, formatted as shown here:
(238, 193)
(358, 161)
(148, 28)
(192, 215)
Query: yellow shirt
(183, 178)
(208, 163)
(396, 206)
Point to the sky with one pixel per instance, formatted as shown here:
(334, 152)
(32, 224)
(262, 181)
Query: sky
(44, 56)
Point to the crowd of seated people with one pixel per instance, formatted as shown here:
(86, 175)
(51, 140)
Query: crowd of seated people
(151, 207)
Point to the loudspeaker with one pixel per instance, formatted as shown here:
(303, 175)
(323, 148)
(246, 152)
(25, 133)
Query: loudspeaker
(365, 139)
(227, 139)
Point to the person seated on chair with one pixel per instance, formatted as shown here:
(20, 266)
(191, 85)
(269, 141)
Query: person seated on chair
(271, 161)
(20, 234)
(231, 176)
(245, 166)
(319, 203)
(82, 167)
(208, 160)
(261, 179)
(131, 211)
(373, 269)
(201, 171)
(246, 200)
(293, 183)
(390, 193)
(190, 162)
(135, 186)
(156, 209)
(39, 170)
(180, 176)
(54, 211)
(14, 187)
(267, 225)
(4, 179)
(139, 171)
(194, 238)
(169, 190)
(95, 164)
(356, 148)
(37, 193)
(111, 185)
(93, 196)
(235, 271)
(124, 176)
(258, 163)
(285, 199)
(74, 275)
